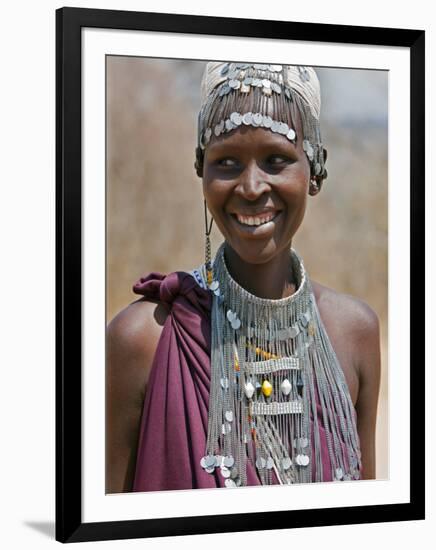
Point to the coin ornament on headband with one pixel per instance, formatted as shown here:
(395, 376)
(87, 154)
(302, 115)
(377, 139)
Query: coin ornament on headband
(272, 93)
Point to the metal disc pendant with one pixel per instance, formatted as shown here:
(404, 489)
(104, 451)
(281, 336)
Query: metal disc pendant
(236, 324)
(283, 128)
(236, 118)
(302, 460)
(231, 315)
(291, 134)
(229, 416)
(225, 472)
(276, 88)
(267, 121)
(225, 69)
(226, 429)
(210, 461)
(247, 119)
(293, 331)
(257, 119)
(228, 461)
(286, 463)
(229, 125)
(225, 383)
(260, 463)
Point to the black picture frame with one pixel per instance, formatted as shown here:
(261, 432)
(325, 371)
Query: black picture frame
(69, 22)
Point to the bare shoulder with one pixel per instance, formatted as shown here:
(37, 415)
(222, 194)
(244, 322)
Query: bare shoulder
(136, 329)
(352, 321)
(349, 310)
(132, 338)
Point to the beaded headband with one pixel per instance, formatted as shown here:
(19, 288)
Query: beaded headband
(262, 95)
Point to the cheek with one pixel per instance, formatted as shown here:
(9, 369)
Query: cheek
(294, 185)
(215, 192)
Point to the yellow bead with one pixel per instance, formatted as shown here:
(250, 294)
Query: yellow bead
(266, 355)
(267, 388)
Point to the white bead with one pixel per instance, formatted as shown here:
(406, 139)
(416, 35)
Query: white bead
(286, 387)
(249, 390)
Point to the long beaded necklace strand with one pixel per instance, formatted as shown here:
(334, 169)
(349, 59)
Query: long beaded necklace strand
(268, 358)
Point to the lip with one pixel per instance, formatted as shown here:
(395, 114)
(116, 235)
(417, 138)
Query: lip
(256, 231)
(256, 212)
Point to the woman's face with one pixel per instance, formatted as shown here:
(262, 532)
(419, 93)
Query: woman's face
(255, 183)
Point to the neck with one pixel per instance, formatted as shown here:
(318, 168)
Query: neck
(272, 280)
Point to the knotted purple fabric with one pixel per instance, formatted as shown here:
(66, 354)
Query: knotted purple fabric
(174, 422)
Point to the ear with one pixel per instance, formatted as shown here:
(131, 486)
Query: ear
(314, 186)
(316, 182)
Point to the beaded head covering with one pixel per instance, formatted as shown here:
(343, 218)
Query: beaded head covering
(279, 402)
(262, 95)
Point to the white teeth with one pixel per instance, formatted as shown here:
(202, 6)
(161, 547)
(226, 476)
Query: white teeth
(254, 220)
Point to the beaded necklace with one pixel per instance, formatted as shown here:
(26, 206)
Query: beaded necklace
(270, 361)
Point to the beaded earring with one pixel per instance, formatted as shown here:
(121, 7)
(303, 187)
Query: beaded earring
(208, 262)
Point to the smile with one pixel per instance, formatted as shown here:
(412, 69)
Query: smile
(259, 226)
(260, 219)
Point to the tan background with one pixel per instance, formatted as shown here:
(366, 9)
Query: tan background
(154, 200)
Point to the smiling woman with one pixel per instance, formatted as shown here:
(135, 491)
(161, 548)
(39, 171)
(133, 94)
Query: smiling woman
(253, 373)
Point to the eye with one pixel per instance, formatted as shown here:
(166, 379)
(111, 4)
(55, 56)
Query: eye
(278, 160)
(227, 162)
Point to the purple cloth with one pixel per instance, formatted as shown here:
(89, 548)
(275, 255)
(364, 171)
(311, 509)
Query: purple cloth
(174, 421)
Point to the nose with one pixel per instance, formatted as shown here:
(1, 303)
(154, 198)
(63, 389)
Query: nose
(251, 182)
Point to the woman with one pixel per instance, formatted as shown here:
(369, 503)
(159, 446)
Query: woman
(254, 373)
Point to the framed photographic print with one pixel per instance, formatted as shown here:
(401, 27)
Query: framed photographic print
(240, 232)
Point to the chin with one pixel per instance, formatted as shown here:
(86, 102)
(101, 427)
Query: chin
(254, 252)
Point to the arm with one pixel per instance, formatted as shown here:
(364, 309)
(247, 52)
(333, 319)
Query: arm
(132, 338)
(369, 385)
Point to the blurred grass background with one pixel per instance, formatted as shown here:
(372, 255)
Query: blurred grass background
(154, 198)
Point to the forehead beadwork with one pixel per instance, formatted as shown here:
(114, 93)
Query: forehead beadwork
(262, 95)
